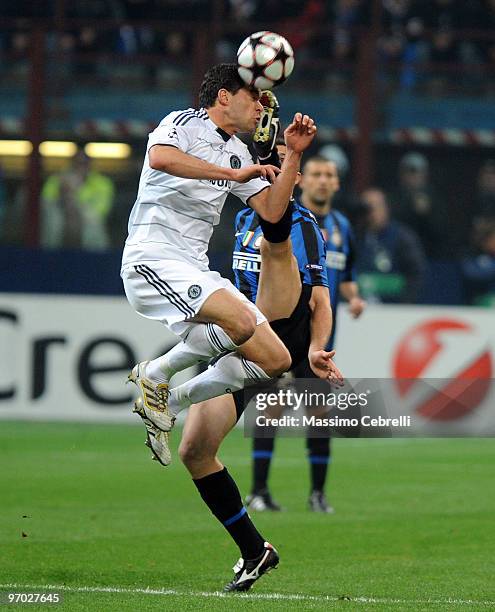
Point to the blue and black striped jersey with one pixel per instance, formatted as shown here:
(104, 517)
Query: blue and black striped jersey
(307, 244)
(340, 260)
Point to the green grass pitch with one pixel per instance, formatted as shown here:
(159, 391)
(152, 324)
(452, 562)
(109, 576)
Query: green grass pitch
(84, 508)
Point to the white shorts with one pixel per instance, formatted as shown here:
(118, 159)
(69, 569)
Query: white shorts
(172, 292)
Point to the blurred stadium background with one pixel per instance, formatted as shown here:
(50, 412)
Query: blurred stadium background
(403, 93)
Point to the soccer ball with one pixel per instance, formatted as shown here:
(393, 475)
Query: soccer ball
(265, 59)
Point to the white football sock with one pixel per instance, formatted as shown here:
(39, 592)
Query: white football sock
(230, 373)
(204, 341)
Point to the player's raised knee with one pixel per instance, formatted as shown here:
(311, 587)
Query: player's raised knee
(243, 327)
(191, 452)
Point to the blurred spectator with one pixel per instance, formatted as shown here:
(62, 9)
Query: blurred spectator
(390, 262)
(444, 47)
(75, 207)
(241, 10)
(443, 17)
(485, 197)
(416, 205)
(478, 269)
(340, 44)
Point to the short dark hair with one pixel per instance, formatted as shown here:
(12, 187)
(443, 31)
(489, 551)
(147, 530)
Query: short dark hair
(221, 76)
(319, 159)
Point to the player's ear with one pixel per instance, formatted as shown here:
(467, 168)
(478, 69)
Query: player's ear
(298, 178)
(223, 97)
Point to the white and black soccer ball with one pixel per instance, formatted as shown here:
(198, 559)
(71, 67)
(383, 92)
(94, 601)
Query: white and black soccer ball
(265, 60)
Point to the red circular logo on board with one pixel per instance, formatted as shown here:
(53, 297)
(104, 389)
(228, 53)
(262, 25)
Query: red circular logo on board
(450, 350)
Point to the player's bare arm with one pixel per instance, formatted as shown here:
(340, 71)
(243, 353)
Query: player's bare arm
(350, 292)
(320, 360)
(171, 160)
(272, 203)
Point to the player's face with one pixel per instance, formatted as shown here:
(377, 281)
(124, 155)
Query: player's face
(320, 182)
(377, 208)
(245, 109)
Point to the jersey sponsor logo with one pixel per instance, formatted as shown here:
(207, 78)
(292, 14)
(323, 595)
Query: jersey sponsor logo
(336, 261)
(248, 262)
(235, 162)
(194, 291)
(222, 183)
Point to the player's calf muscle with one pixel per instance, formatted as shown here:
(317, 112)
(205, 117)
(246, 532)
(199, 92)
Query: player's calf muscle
(267, 350)
(206, 426)
(279, 287)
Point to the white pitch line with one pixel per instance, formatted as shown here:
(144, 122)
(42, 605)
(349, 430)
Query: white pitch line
(262, 596)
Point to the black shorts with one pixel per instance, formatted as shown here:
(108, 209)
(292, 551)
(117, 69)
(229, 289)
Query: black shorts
(295, 333)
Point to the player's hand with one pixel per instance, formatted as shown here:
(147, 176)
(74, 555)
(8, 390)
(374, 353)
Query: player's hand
(356, 307)
(322, 365)
(243, 175)
(300, 133)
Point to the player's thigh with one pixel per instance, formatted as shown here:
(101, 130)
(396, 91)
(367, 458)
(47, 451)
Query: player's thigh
(177, 293)
(229, 312)
(279, 286)
(206, 425)
(267, 350)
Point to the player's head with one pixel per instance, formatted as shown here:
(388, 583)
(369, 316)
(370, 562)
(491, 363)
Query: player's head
(320, 181)
(282, 152)
(377, 206)
(223, 91)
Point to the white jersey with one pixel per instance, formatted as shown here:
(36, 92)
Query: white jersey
(173, 218)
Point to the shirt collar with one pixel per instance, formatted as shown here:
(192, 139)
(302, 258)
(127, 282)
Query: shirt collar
(223, 134)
